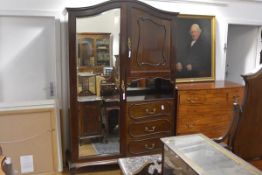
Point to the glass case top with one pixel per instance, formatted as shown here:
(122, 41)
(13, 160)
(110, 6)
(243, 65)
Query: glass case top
(207, 157)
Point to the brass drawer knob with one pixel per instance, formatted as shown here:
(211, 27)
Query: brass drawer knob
(236, 98)
(153, 111)
(150, 147)
(152, 129)
(190, 125)
(192, 100)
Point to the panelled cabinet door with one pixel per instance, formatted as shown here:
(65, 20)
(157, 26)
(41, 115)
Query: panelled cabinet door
(89, 120)
(149, 43)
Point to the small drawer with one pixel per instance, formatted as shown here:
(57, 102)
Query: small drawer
(192, 99)
(203, 97)
(149, 109)
(153, 145)
(203, 109)
(214, 125)
(144, 129)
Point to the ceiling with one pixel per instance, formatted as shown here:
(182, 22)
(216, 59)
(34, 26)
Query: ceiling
(58, 5)
(211, 1)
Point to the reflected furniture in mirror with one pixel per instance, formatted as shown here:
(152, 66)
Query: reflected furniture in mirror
(246, 130)
(94, 49)
(122, 79)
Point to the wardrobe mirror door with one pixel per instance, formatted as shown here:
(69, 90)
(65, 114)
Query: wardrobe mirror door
(98, 99)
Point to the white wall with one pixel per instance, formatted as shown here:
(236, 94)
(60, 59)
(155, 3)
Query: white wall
(29, 55)
(241, 51)
(229, 11)
(27, 58)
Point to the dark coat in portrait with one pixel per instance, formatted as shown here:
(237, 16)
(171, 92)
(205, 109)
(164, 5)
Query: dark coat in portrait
(199, 56)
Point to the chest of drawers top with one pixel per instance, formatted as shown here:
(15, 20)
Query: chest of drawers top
(207, 85)
(209, 93)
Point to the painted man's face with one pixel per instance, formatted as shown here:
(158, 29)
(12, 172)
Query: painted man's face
(195, 33)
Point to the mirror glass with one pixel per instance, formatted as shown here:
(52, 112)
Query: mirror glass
(142, 89)
(97, 50)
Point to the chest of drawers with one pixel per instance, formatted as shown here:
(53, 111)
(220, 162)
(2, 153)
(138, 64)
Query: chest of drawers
(206, 107)
(147, 122)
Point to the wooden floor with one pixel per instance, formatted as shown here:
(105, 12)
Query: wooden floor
(97, 170)
(87, 150)
(116, 171)
(111, 172)
(257, 164)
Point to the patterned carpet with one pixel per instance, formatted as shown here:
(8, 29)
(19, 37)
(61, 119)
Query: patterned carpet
(109, 146)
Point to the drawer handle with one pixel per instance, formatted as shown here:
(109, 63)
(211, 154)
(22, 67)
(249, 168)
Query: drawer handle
(235, 98)
(153, 128)
(188, 125)
(152, 146)
(153, 111)
(190, 100)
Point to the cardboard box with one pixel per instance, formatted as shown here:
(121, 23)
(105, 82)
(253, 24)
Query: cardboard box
(28, 136)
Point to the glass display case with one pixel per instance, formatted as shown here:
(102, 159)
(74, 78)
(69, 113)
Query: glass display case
(93, 57)
(196, 154)
(93, 49)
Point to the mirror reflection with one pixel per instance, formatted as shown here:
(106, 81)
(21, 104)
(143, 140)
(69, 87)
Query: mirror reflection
(97, 49)
(150, 88)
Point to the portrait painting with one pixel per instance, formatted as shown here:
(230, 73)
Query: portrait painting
(195, 48)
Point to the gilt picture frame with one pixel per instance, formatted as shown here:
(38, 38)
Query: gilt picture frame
(195, 48)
